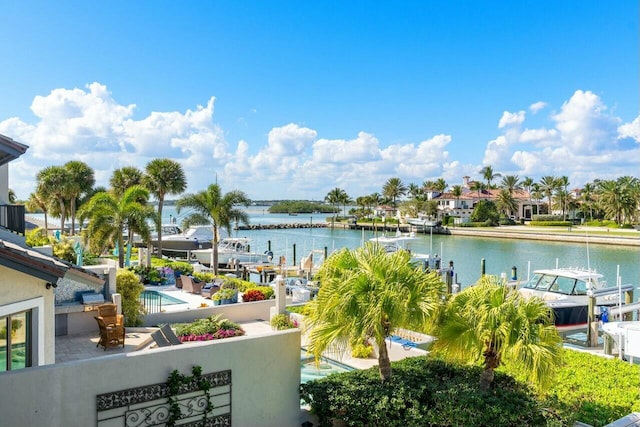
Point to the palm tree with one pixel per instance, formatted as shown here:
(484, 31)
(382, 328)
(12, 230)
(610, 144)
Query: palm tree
(495, 324)
(81, 181)
(109, 215)
(12, 196)
(506, 203)
(334, 198)
(586, 199)
(125, 177)
(440, 185)
(210, 206)
(393, 189)
(37, 202)
(367, 293)
(456, 191)
(477, 186)
(162, 177)
(489, 175)
(548, 184)
(52, 186)
(511, 183)
(527, 183)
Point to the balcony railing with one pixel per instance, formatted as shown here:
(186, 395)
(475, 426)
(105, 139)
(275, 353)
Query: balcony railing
(12, 218)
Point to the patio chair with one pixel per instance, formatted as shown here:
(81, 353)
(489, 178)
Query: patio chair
(109, 313)
(209, 289)
(111, 335)
(189, 285)
(160, 339)
(170, 335)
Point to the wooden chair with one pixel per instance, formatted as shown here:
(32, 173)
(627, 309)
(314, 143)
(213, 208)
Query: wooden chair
(111, 335)
(109, 313)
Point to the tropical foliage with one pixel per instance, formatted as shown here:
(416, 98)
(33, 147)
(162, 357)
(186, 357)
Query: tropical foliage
(129, 287)
(492, 324)
(366, 293)
(211, 206)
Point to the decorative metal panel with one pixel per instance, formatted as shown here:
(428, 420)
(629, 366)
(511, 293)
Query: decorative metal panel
(148, 405)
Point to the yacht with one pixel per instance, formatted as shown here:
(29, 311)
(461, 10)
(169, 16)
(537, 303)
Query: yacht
(402, 241)
(232, 248)
(566, 291)
(174, 239)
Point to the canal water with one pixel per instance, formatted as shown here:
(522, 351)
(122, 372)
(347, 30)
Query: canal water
(500, 254)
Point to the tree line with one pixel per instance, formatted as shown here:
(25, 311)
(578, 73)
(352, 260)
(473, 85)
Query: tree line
(617, 200)
(69, 192)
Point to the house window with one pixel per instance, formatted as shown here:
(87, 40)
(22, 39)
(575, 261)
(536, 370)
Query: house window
(16, 341)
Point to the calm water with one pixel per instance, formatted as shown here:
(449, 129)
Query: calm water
(466, 252)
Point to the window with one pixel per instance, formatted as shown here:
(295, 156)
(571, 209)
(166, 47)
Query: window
(16, 341)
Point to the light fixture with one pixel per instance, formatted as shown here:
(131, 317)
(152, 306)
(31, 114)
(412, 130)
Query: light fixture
(50, 285)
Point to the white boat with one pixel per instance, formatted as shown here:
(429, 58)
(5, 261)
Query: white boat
(402, 241)
(619, 332)
(422, 222)
(232, 249)
(175, 239)
(566, 291)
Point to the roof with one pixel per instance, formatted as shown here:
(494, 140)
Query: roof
(44, 267)
(10, 149)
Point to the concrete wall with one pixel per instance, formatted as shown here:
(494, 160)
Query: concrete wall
(21, 292)
(264, 392)
(239, 312)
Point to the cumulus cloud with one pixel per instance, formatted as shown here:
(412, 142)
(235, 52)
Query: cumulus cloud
(581, 140)
(537, 106)
(630, 130)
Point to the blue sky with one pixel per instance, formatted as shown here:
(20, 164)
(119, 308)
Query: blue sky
(286, 99)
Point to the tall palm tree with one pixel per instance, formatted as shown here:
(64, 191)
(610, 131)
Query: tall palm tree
(477, 186)
(506, 203)
(586, 199)
(52, 184)
(162, 177)
(489, 175)
(492, 323)
(210, 206)
(456, 191)
(367, 293)
(125, 177)
(511, 183)
(440, 185)
(393, 189)
(81, 180)
(548, 185)
(334, 198)
(527, 183)
(109, 215)
(37, 202)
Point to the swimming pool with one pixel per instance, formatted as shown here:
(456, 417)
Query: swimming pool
(309, 371)
(155, 297)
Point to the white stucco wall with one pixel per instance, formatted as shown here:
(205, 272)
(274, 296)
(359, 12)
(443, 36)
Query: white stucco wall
(265, 374)
(20, 292)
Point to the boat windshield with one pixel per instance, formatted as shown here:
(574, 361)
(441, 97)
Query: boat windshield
(533, 282)
(558, 284)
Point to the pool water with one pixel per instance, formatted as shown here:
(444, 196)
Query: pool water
(152, 296)
(310, 371)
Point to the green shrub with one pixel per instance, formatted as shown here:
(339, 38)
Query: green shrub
(361, 350)
(300, 309)
(282, 321)
(551, 223)
(424, 391)
(129, 287)
(180, 267)
(208, 329)
(37, 237)
(544, 218)
(601, 223)
(204, 277)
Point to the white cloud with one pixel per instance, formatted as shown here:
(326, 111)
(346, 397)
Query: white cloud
(582, 140)
(537, 106)
(630, 130)
(511, 119)
(583, 124)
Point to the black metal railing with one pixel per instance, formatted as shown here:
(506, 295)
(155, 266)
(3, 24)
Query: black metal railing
(12, 218)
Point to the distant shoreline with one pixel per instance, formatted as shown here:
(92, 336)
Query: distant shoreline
(576, 235)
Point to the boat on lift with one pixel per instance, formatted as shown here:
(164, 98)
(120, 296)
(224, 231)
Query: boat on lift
(566, 291)
(232, 249)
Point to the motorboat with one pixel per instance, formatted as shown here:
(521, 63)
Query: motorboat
(402, 241)
(174, 239)
(567, 291)
(230, 250)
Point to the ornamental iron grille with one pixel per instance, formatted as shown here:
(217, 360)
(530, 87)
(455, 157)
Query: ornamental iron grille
(148, 405)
